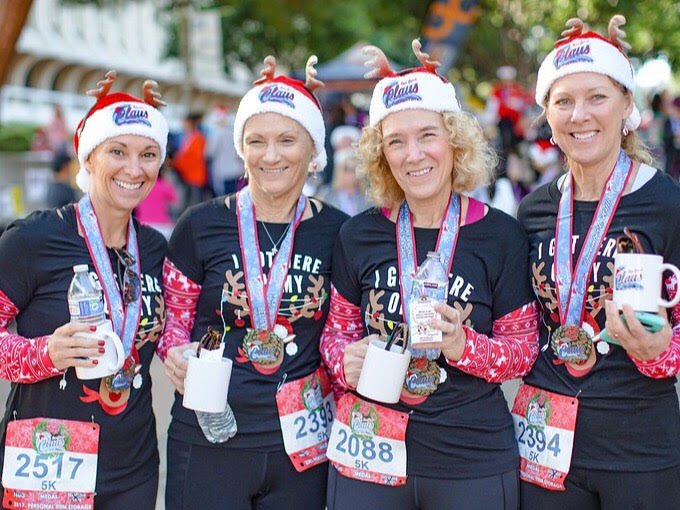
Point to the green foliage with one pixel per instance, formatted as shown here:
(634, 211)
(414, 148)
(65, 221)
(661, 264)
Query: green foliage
(15, 137)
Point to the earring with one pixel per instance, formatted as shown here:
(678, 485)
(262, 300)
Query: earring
(314, 170)
(625, 131)
(552, 141)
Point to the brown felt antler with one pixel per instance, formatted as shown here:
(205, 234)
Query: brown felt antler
(103, 86)
(152, 95)
(378, 61)
(310, 73)
(424, 58)
(616, 35)
(268, 71)
(574, 27)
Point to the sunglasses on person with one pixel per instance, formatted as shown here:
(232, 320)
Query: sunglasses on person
(132, 285)
(629, 242)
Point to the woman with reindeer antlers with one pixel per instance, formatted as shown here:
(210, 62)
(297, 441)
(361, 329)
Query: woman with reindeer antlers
(449, 442)
(597, 424)
(59, 432)
(255, 266)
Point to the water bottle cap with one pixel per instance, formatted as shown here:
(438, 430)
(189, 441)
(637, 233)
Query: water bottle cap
(80, 268)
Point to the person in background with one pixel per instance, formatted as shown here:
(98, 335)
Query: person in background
(347, 192)
(60, 191)
(226, 168)
(190, 163)
(154, 210)
(671, 139)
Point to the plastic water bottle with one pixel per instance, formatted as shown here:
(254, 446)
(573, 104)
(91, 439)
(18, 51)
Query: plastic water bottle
(218, 427)
(430, 286)
(85, 300)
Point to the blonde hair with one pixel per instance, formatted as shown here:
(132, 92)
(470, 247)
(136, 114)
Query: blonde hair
(473, 159)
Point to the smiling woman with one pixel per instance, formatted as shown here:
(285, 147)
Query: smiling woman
(107, 422)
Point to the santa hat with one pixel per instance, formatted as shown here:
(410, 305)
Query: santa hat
(290, 98)
(589, 52)
(341, 134)
(543, 153)
(118, 114)
(418, 88)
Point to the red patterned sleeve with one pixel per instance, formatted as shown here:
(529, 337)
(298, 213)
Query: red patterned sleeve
(509, 353)
(22, 360)
(666, 364)
(343, 326)
(181, 298)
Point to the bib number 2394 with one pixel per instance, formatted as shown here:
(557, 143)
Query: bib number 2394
(368, 442)
(544, 430)
(50, 464)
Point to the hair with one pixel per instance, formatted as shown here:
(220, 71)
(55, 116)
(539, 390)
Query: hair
(474, 160)
(631, 143)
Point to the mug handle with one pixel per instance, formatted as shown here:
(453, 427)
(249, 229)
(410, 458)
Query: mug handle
(118, 344)
(676, 299)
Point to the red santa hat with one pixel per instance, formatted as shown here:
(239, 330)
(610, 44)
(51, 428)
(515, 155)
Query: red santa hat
(118, 114)
(543, 153)
(417, 88)
(289, 97)
(589, 52)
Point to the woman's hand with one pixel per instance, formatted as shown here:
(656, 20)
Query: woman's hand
(638, 342)
(66, 350)
(176, 364)
(453, 334)
(353, 359)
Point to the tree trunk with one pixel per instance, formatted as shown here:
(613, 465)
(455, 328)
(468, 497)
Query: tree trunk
(13, 14)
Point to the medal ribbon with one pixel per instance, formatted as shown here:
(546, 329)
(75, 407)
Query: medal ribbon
(571, 283)
(125, 319)
(407, 258)
(264, 298)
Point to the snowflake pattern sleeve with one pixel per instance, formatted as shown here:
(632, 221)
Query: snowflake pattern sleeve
(22, 360)
(343, 326)
(181, 299)
(509, 353)
(666, 364)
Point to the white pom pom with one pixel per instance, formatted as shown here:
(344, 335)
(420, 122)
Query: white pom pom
(83, 179)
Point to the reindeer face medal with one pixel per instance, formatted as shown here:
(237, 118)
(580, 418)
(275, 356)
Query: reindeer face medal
(571, 343)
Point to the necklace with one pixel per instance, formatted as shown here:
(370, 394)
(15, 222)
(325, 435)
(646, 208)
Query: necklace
(275, 245)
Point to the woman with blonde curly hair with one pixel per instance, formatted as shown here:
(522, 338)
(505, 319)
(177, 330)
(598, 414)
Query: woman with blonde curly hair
(581, 387)
(448, 442)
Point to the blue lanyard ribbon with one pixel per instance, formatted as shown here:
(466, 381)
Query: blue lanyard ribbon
(407, 258)
(125, 319)
(264, 297)
(571, 284)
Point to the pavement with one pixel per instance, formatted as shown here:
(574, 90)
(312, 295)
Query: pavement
(162, 401)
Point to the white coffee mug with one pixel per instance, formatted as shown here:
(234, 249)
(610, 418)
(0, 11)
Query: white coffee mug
(111, 360)
(637, 281)
(206, 385)
(383, 372)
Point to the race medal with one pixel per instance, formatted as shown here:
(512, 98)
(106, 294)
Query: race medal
(50, 464)
(423, 376)
(306, 410)
(367, 442)
(544, 429)
(263, 347)
(571, 344)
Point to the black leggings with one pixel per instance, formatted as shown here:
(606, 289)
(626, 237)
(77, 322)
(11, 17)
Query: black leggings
(607, 490)
(140, 497)
(499, 492)
(239, 479)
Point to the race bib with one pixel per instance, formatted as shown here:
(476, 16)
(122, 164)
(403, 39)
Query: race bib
(544, 430)
(306, 409)
(367, 442)
(50, 464)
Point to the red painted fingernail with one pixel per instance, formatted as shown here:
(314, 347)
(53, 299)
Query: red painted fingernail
(102, 343)
(102, 350)
(95, 362)
(93, 328)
